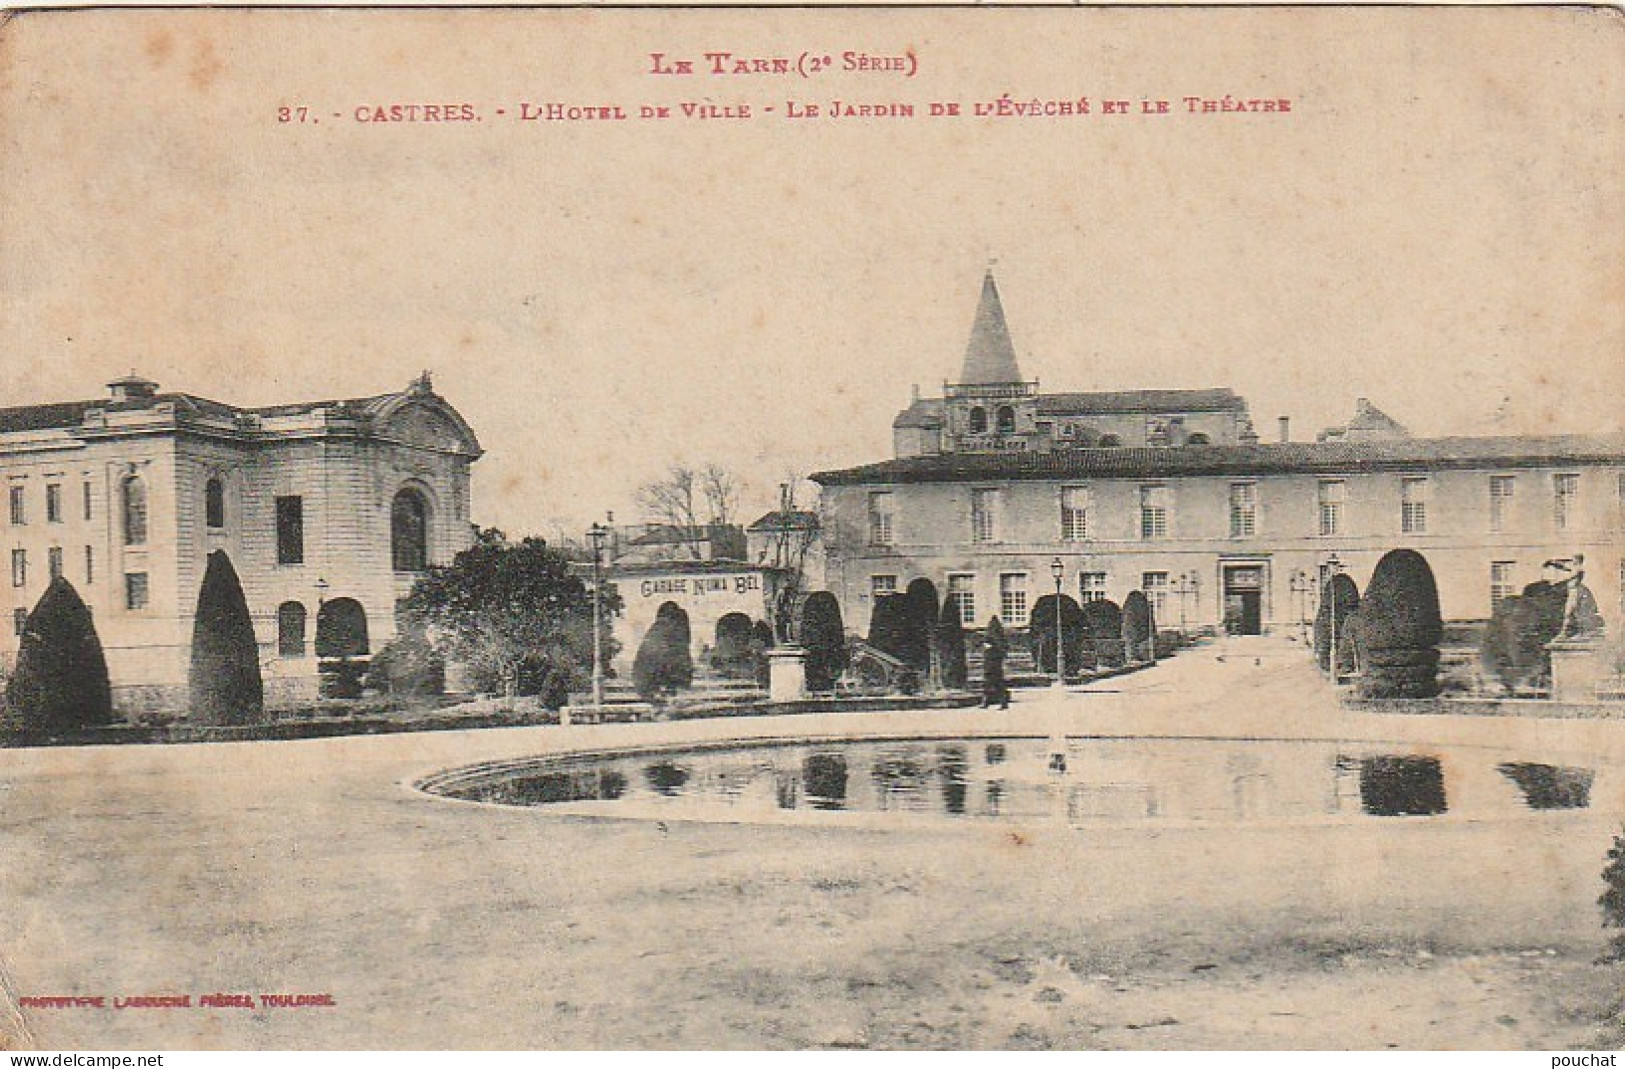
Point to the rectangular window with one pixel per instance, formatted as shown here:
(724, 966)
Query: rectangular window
(19, 620)
(1153, 512)
(53, 502)
(1565, 498)
(1155, 586)
(1074, 513)
(1243, 510)
(1091, 587)
(135, 590)
(19, 504)
(962, 595)
(1331, 495)
(882, 585)
(90, 566)
(1413, 505)
(1501, 490)
(87, 495)
(984, 515)
(880, 518)
(290, 530)
(19, 567)
(1503, 582)
(53, 561)
(1013, 598)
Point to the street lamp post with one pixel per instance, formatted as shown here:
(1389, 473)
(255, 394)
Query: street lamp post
(596, 535)
(1058, 570)
(1333, 567)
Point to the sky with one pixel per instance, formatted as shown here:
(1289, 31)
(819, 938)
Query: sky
(1438, 223)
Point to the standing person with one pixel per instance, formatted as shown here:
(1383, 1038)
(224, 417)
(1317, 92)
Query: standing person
(994, 649)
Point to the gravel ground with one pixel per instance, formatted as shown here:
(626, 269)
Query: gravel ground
(311, 867)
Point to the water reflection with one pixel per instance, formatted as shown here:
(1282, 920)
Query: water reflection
(1097, 781)
(1550, 786)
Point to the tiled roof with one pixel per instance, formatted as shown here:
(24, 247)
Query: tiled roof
(798, 519)
(926, 414)
(64, 415)
(1240, 460)
(990, 357)
(1151, 401)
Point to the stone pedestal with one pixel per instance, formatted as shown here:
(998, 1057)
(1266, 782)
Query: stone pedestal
(786, 674)
(1578, 668)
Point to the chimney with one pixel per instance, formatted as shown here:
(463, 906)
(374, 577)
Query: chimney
(1286, 428)
(915, 391)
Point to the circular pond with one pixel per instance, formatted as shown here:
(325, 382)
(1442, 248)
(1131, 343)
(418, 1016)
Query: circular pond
(1078, 781)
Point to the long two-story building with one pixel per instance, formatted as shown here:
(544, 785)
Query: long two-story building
(1173, 493)
(328, 511)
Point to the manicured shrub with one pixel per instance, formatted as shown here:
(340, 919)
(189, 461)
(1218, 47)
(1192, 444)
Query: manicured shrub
(407, 666)
(1339, 593)
(923, 609)
(663, 664)
(1041, 633)
(60, 684)
(224, 679)
(824, 636)
(1398, 629)
(890, 629)
(951, 647)
(1103, 634)
(1139, 628)
(1513, 649)
(761, 640)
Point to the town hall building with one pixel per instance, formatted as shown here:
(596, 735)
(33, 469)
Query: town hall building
(327, 510)
(995, 486)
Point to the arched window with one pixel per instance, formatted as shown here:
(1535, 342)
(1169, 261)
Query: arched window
(978, 420)
(214, 504)
(134, 499)
(1006, 417)
(409, 531)
(1197, 439)
(1110, 441)
(290, 629)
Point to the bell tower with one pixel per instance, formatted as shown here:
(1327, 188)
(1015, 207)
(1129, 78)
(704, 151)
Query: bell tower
(991, 408)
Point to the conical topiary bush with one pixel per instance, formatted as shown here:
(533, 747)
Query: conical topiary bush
(1399, 629)
(226, 687)
(60, 685)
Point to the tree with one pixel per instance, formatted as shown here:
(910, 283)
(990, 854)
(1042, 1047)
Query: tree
(731, 655)
(1612, 899)
(824, 636)
(951, 647)
(224, 678)
(408, 666)
(1342, 595)
(1139, 627)
(891, 629)
(664, 663)
(923, 611)
(788, 550)
(1399, 628)
(1103, 634)
(502, 604)
(60, 684)
(692, 499)
(1041, 633)
(1514, 643)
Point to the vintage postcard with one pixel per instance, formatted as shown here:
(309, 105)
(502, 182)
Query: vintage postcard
(791, 528)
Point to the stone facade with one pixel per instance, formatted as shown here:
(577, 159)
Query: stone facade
(1220, 529)
(324, 508)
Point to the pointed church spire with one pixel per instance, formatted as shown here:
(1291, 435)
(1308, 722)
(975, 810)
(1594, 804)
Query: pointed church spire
(989, 357)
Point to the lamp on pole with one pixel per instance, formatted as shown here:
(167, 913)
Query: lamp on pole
(1058, 570)
(596, 535)
(1302, 584)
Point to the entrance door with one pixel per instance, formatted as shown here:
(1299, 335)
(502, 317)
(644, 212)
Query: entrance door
(1244, 600)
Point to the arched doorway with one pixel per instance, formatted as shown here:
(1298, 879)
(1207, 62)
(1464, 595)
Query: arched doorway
(341, 629)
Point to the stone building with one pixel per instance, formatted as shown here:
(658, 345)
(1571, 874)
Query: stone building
(328, 510)
(1172, 492)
